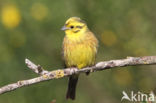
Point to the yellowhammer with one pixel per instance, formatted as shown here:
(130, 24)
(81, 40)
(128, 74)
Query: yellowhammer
(79, 49)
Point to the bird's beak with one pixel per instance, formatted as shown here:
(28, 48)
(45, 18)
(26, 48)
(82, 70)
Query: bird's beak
(64, 28)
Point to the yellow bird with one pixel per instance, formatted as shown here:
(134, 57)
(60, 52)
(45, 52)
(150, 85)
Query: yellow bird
(79, 49)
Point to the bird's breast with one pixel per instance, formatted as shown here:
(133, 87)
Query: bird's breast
(79, 54)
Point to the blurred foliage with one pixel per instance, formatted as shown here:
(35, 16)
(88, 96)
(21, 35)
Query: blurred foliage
(10, 16)
(31, 29)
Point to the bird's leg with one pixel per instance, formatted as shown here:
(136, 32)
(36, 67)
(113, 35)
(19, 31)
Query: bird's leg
(73, 70)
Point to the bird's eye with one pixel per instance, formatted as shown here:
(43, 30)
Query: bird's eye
(71, 27)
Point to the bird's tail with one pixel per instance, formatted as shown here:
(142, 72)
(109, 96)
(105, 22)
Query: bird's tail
(71, 91)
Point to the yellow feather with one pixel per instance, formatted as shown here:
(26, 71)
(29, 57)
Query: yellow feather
(79, 48)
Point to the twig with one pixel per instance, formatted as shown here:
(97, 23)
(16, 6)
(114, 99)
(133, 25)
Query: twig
(60, 73)
(36, 68)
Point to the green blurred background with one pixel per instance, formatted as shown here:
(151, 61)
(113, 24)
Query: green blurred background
(31, 29)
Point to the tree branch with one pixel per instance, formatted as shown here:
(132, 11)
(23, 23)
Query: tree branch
(60, 73)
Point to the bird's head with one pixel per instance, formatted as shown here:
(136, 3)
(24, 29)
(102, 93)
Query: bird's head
(74, 25)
